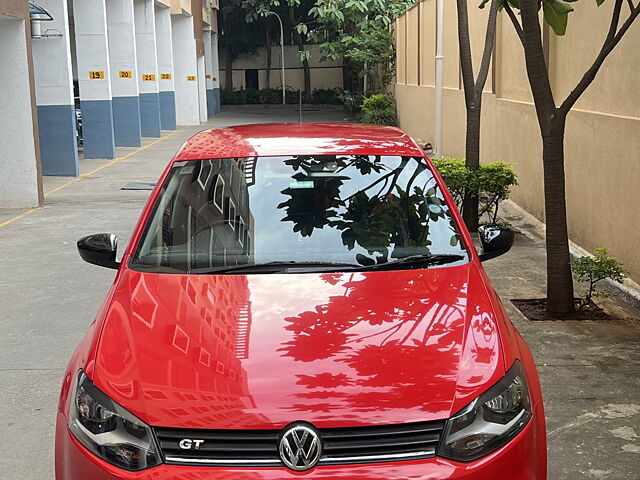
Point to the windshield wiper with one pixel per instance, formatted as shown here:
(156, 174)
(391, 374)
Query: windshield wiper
(415, 261)
(276, 267)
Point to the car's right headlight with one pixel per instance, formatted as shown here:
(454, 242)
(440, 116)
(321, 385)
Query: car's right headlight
(108, 430)
(490, 421)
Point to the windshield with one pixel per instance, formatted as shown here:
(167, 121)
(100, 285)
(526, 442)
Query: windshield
(335, 211)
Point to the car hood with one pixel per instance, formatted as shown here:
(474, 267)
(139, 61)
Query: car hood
(262, 351)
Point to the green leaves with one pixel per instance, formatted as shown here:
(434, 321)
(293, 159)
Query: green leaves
(380, 110)
(491, 182)
(304, 55)
(360, 31)
(556, 14)
(595, 269)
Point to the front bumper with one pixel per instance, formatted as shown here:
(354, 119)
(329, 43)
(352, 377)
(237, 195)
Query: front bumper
(524, 458)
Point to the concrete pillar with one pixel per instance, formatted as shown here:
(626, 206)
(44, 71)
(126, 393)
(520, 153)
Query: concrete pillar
(215, 72)
(202, 90)
(164, 53)
(186, 70)
(94, 78)
(147, 68)
(124, 72)
(18, 160)
(208, 68)
(54, 94)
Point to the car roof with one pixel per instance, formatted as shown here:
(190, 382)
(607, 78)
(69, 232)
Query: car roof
(281, 139)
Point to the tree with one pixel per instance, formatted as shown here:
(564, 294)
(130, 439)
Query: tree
(359, 31)
(552, 121)
(473, 87)
(297, 21)
(236, 36)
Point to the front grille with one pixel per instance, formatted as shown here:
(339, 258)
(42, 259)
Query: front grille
(341, 446)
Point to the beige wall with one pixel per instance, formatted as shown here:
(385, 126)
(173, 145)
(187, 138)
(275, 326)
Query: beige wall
(323, 74)
(603, 132)
(294, 78)
(180, 6)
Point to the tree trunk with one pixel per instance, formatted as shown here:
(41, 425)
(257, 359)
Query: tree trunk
(268, 46)
(307, 81)
(228, 74)
(346, 76)
(473, 98)
(472, 152)
(552, 122)
(560, 301)
(305, 63)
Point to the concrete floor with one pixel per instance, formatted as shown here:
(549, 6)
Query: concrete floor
(590, 371)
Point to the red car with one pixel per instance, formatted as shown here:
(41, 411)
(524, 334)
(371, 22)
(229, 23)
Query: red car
(300, 300)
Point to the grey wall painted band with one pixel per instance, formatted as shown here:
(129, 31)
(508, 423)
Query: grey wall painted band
(126, 121)
(168, 110)
(150, 115)
(97, 129)
(58, 144)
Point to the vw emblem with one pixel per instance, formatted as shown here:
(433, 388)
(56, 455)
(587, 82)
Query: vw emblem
(300, 447)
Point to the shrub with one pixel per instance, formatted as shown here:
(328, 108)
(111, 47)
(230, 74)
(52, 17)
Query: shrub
(455, 175)
(326, 96)
(233, 97)
(380, 110)
(594, 270)
(252, 96)
(351, 102)
(292, 96)
(226, 96)
(378, 102)
(271, 96)
(491, 183)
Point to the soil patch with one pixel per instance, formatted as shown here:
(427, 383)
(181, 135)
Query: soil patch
(535, 309)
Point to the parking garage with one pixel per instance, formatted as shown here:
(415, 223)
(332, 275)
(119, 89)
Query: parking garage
(84, 77)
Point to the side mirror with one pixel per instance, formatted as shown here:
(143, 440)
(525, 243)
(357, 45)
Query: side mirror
(495, 241)
(99, 249)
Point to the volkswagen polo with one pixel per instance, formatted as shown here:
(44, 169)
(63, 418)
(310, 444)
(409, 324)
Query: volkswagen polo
(300, 299)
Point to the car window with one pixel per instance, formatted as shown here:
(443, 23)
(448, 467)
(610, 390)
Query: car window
(344, 209)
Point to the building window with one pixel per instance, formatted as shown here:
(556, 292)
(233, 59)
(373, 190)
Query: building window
(240, 230)
(247, 242)
(230, 213)
(206, 168)
(216, 193)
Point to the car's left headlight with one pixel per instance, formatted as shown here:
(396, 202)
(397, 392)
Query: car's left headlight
(490, 421)
(108, 430)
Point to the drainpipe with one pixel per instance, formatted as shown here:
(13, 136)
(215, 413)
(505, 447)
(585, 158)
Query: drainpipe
(439, 83)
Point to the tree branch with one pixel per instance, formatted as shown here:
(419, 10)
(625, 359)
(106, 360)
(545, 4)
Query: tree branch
(631, 7)
(488, 47)
(466, 59)
(615, 20)
(607, 48)
(515, 21)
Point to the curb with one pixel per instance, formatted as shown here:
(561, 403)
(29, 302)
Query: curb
(533, 228)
